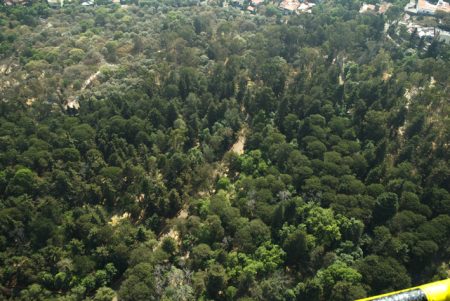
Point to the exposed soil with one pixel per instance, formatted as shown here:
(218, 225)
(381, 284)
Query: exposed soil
(238, 148)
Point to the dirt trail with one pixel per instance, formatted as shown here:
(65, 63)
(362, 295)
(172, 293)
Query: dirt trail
(94, 76)
(409, 93)
(72, 101)
(90, 80)
(237, 147)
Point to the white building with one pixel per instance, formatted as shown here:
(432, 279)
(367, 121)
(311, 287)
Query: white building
(423, 7)
(56, 3)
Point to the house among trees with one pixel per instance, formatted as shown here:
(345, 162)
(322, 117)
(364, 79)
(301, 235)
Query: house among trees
(444, 36)
(55, 3)
(294, 6)
(367, 8)
(384, 6)
(375, 8)
(256, 3)
(423, 7)
(289, 6)
(14, 2)
(306, 7)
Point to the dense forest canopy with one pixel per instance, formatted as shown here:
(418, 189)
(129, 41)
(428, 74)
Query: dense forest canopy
(177, 151)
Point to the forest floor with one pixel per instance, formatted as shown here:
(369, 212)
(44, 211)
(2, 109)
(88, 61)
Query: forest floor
(409, 93)
(72, 101)
(90, 80)
(94, 76)
(238, 146)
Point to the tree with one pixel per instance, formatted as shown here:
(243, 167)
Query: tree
(24, 182)
(274, 287)
(309, 290)
(216, 280)
(178, 134)
(42, 230)
(110, 51)
(138, 45)
(138, 283)
(84, 136)
(374, 125)
(323, 225)
(386, 207)
(253, 234)
(213, 230)
(67, 154)
(271, 11)
(343, 291)
(297, 246)
(273, 73)
(104, 294)
(316, 149)
(337, 272)
(200, 254)
(169, 245)
(264, 99)
(34, 292)
(383, 274)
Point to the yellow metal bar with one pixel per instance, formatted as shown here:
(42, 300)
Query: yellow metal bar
(435, 291)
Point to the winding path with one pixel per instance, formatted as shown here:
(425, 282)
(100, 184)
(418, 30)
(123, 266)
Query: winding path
(219, 170)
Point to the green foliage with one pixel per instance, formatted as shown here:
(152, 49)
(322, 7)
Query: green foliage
(252, 235)
(386, 206)
(104, 294)
(216, 280)
(299, 157)
(383, 274)
(297, 245)
(338, 271)
(24, 182)
(138, 284)
(322, 224)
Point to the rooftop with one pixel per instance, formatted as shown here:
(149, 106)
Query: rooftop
(367, 7)
(425, 6)
(257, 2)
(444, 6)
(290, 5)
(13, 2)
(384, 7)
